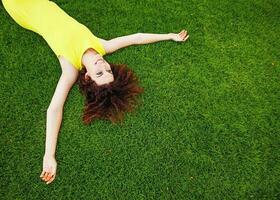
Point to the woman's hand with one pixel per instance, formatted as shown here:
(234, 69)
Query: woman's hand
(180, 37)
(49, 169)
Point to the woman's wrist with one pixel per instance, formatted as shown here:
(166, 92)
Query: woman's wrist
(46, 155)
(172, 35)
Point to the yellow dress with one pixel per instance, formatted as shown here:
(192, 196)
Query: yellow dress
(65, 36)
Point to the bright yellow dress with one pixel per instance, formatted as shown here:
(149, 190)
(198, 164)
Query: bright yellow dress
(65, 36)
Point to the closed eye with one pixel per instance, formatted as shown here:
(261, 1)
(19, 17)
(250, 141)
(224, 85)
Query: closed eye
(100, 73)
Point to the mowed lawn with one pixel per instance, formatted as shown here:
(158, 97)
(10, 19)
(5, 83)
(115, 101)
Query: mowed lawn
(206, 127)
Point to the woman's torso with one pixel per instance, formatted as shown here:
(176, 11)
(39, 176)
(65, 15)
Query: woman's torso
(66, 36)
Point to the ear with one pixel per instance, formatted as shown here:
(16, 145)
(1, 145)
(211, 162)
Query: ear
(87, 76)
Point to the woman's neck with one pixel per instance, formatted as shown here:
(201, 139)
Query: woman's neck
(90, 50)
(87, 56)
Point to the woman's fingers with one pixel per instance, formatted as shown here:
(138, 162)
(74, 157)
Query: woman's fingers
(180, 34)
(45, 178)
(42, 174)
(49, 177)
(183, 32)
(183, 35)
(186, 38)
(52, 178)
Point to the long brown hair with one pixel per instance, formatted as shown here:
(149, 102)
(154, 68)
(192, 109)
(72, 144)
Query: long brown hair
(109, 101)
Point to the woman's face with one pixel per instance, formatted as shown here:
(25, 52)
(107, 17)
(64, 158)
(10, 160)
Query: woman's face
(100, 70)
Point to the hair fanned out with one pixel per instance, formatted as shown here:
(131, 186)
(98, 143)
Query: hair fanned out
(110, 101)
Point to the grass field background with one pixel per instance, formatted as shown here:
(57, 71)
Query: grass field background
(208, 125)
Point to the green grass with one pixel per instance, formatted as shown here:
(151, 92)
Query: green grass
(207, 128)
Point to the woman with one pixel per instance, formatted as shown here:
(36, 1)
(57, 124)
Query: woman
(110, 90)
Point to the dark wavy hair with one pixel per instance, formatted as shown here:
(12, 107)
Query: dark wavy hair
(109, 101)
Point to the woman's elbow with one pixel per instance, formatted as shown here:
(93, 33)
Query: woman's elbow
(54, 109)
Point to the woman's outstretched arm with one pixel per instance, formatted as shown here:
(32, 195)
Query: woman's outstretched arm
(54, 118)
(146, 38)
(113, 45)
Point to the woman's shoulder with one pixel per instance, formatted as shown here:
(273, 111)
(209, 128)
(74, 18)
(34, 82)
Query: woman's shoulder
(66, 65)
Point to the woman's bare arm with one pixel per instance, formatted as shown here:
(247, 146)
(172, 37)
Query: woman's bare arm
(146, 38)
(113, 45)
(54, 113)
(54, 118)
